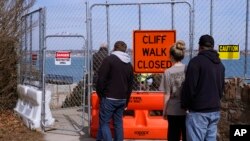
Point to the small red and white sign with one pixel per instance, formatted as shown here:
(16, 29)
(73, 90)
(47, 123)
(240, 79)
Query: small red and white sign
(34, 58)
(62, 58)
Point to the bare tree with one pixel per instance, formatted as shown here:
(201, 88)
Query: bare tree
(11, 12)
(10, 16)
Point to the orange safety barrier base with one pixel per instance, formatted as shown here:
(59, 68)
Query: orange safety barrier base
(143, 119)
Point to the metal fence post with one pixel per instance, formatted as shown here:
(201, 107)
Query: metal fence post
(211, 16)
(246, 39)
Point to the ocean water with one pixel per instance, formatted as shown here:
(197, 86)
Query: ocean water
(234, 68)
(75, 70)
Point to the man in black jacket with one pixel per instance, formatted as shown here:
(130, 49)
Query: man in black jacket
(114, 87)
(97, 61)
(202, 90)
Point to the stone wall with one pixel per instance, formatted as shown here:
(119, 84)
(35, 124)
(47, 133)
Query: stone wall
(235, 106)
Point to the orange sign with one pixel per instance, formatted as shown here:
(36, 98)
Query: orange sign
(151, 50)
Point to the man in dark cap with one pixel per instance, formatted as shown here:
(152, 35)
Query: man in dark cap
(202, 91)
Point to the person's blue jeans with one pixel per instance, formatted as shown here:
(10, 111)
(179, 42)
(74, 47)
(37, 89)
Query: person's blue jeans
(202, 126)
(111, 109)
(99, 134)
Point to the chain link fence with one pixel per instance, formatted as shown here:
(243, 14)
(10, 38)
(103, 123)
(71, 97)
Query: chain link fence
(110, 28)
(64, 71)
(56, 61)
(227, 22)
(65, 64)
(217, 18)
(31, 42)
(71, 79)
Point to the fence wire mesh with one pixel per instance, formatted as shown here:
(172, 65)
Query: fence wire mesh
(218, 18)
(110, 28)
(64, 76)
(31, 49)
(225, 20)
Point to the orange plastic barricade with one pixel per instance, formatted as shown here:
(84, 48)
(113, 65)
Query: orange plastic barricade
(139, 124)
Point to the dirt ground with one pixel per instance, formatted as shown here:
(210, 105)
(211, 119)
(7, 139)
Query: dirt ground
(13, 129)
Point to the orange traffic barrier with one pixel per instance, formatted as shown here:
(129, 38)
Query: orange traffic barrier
(142, 120)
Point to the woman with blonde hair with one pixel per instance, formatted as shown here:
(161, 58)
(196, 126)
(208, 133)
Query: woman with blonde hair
(171, 84)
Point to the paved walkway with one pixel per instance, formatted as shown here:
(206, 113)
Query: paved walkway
(69, 119)
(63, 137)
(59, 135)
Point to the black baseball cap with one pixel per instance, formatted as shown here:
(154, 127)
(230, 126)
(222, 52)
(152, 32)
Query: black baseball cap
(207, 41)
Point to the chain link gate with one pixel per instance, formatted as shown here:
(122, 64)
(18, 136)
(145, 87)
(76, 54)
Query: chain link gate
(134, 17)
(64, 56)
(30, 66)
(109, 33)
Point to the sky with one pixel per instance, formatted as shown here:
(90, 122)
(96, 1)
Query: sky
(69, 17)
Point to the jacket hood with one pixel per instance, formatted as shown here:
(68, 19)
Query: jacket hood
(124, 57)
(211, 55)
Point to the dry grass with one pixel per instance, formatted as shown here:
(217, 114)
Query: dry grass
(13, 129)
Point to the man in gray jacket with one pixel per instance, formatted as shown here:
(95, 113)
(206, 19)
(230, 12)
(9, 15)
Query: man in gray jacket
(114, 87)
